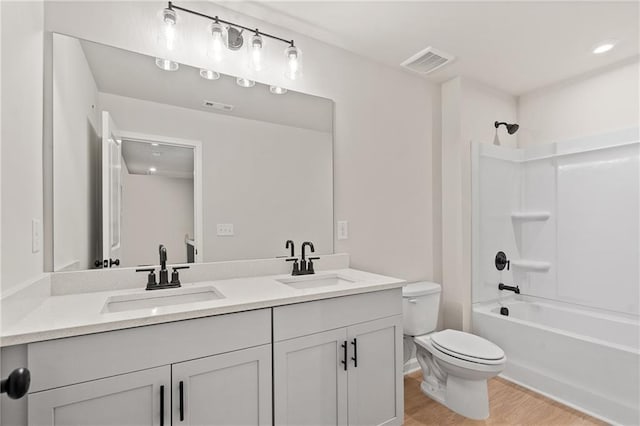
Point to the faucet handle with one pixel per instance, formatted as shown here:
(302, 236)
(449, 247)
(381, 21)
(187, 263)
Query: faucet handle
(296, 265)
(310, 269)
(175, 277)
(151, 278)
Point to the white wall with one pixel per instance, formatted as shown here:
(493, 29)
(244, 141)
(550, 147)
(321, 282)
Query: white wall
(76, 149)
(22, 100)
(588, 105)
(155, 210)
(469, 110)
(384, 129)
(272, 182)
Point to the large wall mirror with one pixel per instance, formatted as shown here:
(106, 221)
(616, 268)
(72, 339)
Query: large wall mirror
(143, 155)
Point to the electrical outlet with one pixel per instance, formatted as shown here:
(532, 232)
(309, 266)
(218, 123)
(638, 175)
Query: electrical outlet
(343, 229)
(36, 236)
(225, 229)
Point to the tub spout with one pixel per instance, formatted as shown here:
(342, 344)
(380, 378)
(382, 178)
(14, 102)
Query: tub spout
(515, 289)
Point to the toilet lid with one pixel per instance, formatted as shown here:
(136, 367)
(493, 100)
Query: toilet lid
(468, 345)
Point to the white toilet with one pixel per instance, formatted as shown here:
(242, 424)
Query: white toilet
(455, 365)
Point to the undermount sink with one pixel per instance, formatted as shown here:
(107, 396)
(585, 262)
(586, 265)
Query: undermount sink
(157, 298)
(315, 281)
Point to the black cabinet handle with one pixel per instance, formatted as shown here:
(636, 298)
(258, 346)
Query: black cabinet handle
(114, 262)
(181, 386)
(162, 405)
(17, 384)
(355, 352)
(344, 361)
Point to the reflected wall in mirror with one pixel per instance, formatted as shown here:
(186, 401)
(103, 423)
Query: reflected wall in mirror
(214, 171)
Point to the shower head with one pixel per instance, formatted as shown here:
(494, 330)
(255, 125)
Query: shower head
(511, 128)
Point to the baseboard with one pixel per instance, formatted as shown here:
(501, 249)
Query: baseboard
(411, 366)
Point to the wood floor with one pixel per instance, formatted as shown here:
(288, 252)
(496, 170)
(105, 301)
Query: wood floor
(510, 404)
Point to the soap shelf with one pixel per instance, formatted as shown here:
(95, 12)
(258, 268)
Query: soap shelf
(531, 216)
(531, 265)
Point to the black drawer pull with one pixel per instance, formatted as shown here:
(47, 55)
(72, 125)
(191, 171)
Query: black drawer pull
(344, 361)
(355, 352)
(162, 405)
(181, 401)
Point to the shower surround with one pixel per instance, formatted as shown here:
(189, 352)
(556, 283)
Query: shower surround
(567, 215)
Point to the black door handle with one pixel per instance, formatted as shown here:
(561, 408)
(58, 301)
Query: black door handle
(355, 352)
(181, 386)
(162, 405)
(344, 361)
(17, 384)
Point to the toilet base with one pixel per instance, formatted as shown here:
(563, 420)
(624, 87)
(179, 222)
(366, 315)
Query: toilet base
(468, 398)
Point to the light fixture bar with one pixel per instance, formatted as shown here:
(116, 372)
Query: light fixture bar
(233, 24)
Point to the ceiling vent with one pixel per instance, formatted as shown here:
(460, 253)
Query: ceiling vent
(428, 60)
(217, 105)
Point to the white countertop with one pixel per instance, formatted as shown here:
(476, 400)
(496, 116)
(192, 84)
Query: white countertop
(77, 314)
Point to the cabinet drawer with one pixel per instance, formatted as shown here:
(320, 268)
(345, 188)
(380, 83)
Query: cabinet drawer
(63, 362)
(302, 319)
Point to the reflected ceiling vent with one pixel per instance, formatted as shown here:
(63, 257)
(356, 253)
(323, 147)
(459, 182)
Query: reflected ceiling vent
(428, 60)
(217, 105)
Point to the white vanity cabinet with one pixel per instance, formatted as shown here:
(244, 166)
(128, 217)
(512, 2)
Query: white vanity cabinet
(134, 376)
(339, 361)
(140, 398)
(227, 389)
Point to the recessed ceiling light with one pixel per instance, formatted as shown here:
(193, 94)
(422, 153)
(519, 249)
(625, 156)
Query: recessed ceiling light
(209, 75)
(277, 90)
(245, 82)
(604, 47)
(155, 144)
(167, 65)
(152, 169)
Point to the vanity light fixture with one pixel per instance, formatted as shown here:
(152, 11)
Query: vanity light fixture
(604, 47)
(169, 18)
(209, 75)
(167, 65)
(294, 62)
(228, 35)
(245, 82)
(218, 40)
(255, 52)
(277, 90)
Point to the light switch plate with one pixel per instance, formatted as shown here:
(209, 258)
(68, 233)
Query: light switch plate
(36, 236)
(225, 229)
(343, 229)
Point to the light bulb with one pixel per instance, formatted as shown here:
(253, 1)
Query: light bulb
(277, 90)
(293, 57)
(209, 74)
(217, 41)
(166, 64)
(255, 52)
(168, 35)
(245, 82)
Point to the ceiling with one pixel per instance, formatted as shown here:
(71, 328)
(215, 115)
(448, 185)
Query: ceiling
(515, 46)
(134, 75)
(168, 160)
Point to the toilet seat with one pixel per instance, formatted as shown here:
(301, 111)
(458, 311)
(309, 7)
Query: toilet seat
(468, 347)
(459, 348)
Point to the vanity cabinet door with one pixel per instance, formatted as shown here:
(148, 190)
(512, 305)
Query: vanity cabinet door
(228, 389)
(375, 372)
(134, 399)
(310, 382)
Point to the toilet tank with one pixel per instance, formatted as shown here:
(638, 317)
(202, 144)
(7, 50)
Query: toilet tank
(420, 304)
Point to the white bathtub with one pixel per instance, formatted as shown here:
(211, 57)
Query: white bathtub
(581, 357)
